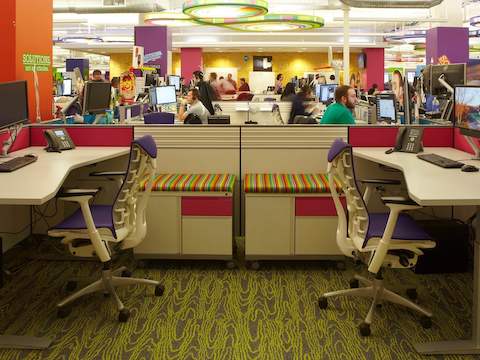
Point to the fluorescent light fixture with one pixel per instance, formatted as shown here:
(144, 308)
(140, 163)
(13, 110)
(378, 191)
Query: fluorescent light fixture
(170, 19)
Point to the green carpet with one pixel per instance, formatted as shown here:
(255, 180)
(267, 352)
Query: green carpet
(210, 312)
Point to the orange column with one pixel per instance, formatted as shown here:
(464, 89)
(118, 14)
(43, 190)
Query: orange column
(26, 28)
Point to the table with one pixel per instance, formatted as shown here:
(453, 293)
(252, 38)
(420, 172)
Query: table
(37, 183)
(431, 185)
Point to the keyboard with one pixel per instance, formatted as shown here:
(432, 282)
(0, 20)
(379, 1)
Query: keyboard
(440, 161)
(17, 163)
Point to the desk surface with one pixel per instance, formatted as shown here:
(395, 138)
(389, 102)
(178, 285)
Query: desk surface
(37, 183)
(428, 184)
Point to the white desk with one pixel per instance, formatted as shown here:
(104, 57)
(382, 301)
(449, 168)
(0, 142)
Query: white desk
(431, 185)
(37, 183)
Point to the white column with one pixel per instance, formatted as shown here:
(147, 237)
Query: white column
(346, 45)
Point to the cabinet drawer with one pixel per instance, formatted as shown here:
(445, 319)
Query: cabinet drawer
(206, 206)
(316, 206)
(206, 235)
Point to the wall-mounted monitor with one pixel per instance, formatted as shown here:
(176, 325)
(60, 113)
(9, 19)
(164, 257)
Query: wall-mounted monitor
(262, 63)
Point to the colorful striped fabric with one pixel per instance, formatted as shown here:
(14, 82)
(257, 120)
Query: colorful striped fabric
(288, 183)
(193, 182)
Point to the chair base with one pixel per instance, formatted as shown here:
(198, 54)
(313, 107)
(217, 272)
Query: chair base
(376, 291)
(107, 284)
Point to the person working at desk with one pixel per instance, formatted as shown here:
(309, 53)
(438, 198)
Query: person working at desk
(97, 76)
(340, 112)
(288, 93)
(373, 90)
(298, 103)
(195, 107)
(243, 85)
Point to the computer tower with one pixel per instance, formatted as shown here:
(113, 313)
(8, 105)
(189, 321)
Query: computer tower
(452, 253)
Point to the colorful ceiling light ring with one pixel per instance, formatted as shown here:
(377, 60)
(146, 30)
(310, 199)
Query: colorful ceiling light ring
(475, 21)
(170, 19)
(217, 9)
(272, 23)
(410, 37)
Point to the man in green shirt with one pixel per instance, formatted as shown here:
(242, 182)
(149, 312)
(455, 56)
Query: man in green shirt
(340, 112)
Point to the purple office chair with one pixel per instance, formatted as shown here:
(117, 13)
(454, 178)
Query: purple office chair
(100, 230)
(159, 118)
(390, 240)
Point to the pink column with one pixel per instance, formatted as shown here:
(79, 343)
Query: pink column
(375, 67)
(191, 60)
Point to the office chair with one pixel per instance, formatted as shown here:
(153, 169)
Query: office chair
(391, 239)
(159, 118)
(245, 97)
(101, 230)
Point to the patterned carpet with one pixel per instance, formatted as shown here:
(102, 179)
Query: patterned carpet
(210, 312)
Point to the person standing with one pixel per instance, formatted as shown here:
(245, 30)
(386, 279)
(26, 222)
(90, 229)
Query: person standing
(231, 81)
(279, 84)
(206, 93)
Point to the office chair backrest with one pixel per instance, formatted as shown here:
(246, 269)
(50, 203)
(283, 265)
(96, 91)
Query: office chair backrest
(131, 203)
(159, 118)
(245, 97)
(341, 167)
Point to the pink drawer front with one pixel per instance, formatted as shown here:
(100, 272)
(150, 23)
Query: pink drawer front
(316, 206)
(206, 206)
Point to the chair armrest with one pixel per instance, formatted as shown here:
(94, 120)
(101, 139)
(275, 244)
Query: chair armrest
(381, 181)
(67, 194)
(398, 200)
(108, 173)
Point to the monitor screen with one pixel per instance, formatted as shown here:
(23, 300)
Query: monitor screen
(318, 88)
(386, 108)
(59, 132)
(410, 76)
(175, 81)
(165, 95)
(67, 87)
(327, 92)
(97, 97)
(467, 107)
(14, 103)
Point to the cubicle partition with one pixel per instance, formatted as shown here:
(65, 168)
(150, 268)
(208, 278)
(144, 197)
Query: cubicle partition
(258, 111)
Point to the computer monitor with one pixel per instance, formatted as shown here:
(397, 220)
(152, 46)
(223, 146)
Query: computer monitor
(150, 80)
(152, 95)
(386, 108)
(327, 92)
(165, 95)
(97, 97)
(14, 103)
(67, 87)
(175, 81)
(410, 76)
(318, 88)
(467, 109)
(454, 74)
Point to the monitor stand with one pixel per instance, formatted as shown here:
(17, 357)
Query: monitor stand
(475, 147)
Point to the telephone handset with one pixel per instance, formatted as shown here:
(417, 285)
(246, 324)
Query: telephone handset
(58, 140)
(409, 139)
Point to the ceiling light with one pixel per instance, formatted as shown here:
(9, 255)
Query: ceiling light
(272, 22)
(475, 21)
(217, 9)
(170, 19)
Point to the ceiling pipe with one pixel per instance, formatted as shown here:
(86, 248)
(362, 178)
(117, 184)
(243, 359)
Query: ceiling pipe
(131, 6)
(397, 4)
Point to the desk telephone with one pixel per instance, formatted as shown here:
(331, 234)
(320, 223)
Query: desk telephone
(409, 139)
(58, 140)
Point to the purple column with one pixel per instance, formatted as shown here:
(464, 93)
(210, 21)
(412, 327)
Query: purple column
(82, 64)
(447, 43)
(156, 41)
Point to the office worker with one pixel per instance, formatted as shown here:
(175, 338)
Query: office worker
(97, 76)
(373, 90)
(206, 93)
(340, 112)
(279, 84)
(231, 81)
(289, 92)
(298, 103)
(243, 85)
(194, 105)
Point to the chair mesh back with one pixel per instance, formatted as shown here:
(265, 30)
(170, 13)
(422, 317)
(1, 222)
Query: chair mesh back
(342, 168)
(127, 205)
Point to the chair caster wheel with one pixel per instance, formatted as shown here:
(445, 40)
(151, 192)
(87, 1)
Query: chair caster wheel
(254, 265)
(354, 284)
(63, 312)
(322, 302)
(123, 315)
(364, 329)
(426, 322)
(126, 273)
(159, 290)
(71, 285)
(231, 265)
(412, 294)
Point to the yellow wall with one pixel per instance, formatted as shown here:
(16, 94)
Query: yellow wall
(119, 63)
(176, 64)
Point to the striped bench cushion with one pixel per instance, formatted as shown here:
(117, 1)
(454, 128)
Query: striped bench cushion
(193, 182)
(287, 183)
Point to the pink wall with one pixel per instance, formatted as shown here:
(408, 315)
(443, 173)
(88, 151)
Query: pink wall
(375, 61)
(191, 60)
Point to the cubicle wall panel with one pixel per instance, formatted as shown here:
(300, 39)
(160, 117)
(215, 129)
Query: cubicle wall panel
(460, 142)
(90, 135)
(22, 140)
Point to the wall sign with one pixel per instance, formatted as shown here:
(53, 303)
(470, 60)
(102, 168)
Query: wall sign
(39, 63)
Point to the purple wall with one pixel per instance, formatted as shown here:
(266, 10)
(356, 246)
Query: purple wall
(156, 41)
(451, 42)
(82, 64)
(191, 60)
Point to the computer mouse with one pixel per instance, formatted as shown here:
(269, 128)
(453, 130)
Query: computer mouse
(469, 168)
